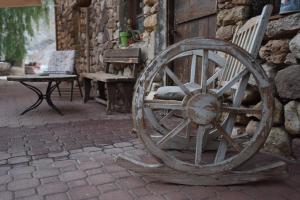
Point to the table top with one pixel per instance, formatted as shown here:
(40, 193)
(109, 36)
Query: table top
(41, 78)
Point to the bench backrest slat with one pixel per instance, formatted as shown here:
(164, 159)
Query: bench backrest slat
(130, 56)
(248, 37)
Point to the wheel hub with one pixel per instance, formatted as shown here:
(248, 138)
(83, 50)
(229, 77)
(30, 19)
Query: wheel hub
(203, 108)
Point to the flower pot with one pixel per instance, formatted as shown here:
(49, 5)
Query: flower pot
(124, 39)
(83, 3)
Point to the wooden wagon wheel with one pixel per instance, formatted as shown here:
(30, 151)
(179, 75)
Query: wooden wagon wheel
(203, 107)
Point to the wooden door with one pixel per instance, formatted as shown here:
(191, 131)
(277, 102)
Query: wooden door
(190, 18)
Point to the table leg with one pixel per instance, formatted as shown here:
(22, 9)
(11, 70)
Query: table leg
(39, 100)
(49, 91)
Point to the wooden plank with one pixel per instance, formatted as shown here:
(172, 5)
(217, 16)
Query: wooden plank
(163, 173)
(106, 77)
(122, 53)
(121, 60)
(19, 3)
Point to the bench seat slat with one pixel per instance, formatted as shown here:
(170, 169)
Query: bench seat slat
(106, 77)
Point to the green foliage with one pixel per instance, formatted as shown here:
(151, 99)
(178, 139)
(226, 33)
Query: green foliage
(15, 24)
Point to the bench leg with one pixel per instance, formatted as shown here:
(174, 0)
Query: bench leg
(111, 89)
(101, 89)
(87, 89)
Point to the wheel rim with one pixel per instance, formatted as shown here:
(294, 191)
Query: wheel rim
(206, 104)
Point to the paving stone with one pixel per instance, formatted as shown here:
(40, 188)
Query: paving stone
(113, 151)
(22, 176)
(21, 170)
(72, 175)
(117, 195)
(68, 168)
(2, 188)
(196, 191)
(114, 168)
(94, 171)
(160, 188)
(176, 196)
(76, 151)
(23, 184)
(83, 192)
(100, 179)
(45, 173)
(63, 163)
(50, 180)
(3, 162)
(139, 192)
(42, 162)
(18, 160)
(57, 197)
(5, 179)
(92, 149)
(6, 195)
(107, 187)
(121, 174)
(4, 155)
(131, 182)
(155, 197)
(89, 165)
(60, 154)
(24, 193)
(4, 170)
(52, 188)
(34, 197)
(77, 183)
(123, 144)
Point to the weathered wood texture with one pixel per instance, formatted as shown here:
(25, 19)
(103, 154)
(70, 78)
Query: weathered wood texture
(112, 87)
(201, 107)
(193, 18)
(159, 171)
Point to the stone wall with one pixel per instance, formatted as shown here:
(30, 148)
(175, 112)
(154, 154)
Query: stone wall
(102, 17)
(279, 56)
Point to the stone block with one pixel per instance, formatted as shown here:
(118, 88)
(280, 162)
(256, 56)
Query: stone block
(295, 45)
(225, 32)
(275, 51)
(284, 27)
(150, 22)
(52, 188)
(287, 82)
(292, 118)
(278, 143)
(233, 15)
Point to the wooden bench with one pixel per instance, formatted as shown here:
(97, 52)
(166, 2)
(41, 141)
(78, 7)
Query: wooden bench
(114, 91)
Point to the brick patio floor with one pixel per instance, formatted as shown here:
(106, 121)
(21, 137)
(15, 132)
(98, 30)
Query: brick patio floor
(46, 156)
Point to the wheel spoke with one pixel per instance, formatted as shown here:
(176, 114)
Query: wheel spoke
(204, 71)
(193, 69)
(232, 82)
(199, 144)
(238, 110)
(177, 81)
(226, 136)
(174, 132)
(170, 114)
(164, 104)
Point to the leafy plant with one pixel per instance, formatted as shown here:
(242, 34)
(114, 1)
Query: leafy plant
(16, 24)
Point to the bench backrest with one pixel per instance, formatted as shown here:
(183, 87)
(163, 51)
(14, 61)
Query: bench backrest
(123, 56)
(248, 37)
(62, 62)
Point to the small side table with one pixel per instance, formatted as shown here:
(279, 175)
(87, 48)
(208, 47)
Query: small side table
(51, 78)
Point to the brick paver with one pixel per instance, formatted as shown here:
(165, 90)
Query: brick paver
(71, 158)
